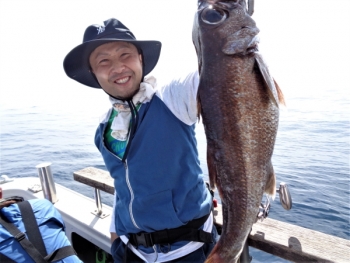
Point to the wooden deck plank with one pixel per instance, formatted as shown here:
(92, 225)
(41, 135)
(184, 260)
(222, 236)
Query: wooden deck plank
(295, 243)
(285, 240)
(298, 244)
(96, 178)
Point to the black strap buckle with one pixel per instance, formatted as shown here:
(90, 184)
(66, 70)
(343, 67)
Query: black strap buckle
(141, 239)
(20, 236)
(205, 237)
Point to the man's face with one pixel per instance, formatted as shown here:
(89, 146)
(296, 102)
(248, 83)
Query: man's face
(118, 68)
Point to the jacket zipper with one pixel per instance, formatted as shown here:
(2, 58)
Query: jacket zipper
(131, 194)
(126, 175)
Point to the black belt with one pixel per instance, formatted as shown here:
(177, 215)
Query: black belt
(188, 232)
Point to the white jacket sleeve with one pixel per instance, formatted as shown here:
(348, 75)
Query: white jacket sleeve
(180, 96)
(112, 224)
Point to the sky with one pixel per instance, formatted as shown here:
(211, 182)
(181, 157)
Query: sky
(305, 43)
(36, 36)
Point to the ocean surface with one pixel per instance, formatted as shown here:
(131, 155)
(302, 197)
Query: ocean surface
(46, 117)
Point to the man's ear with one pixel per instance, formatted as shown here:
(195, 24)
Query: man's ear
(140, 57)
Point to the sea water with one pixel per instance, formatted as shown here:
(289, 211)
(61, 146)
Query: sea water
(44, 116)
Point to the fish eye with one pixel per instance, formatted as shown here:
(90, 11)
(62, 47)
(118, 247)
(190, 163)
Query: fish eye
(213, 16)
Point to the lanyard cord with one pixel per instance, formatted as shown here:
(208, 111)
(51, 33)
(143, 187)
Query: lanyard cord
(132, 128)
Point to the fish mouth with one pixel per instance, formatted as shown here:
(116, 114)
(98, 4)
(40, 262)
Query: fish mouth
(243, 41)
(254, 31)
(251, 50)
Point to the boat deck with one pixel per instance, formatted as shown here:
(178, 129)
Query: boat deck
(89, 231)
(288, 241)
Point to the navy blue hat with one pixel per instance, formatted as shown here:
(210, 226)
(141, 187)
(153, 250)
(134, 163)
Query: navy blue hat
(76, 63)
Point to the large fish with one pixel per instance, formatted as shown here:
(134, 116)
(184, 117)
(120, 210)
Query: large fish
(239, 105)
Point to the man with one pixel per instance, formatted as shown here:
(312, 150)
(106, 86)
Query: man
(162, 206)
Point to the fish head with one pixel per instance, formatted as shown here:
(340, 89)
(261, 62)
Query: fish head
(224, 26)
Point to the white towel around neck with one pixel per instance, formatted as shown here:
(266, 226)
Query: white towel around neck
(120, 124)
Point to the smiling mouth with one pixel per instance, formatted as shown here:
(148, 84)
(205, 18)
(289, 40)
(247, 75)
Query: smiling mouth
(122, 80)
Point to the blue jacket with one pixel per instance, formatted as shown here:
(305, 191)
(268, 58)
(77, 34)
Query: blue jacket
(161, 184)
(51, 227)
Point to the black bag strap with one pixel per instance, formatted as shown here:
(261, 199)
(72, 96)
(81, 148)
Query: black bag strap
(4, 259)
(21, 238)
(34, 235)
(61, 253)
(32, 229)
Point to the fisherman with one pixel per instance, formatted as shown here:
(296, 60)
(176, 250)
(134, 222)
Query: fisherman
(162, 207)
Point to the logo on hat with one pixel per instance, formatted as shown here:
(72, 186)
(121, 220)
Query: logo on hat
(100, 30)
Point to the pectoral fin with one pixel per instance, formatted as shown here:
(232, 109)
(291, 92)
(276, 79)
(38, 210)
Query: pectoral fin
(274, 90)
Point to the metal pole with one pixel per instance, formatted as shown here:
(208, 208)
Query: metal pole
(98, 201)
(245, 256)
(47, 182)
(285, 196)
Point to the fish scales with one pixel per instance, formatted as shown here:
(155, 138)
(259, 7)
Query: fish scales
(240, 118)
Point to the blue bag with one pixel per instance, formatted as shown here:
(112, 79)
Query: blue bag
(33, 231)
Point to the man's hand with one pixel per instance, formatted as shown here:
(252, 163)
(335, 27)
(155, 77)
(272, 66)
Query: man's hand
(114, 236)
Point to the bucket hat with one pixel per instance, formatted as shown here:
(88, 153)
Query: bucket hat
(76, 63)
